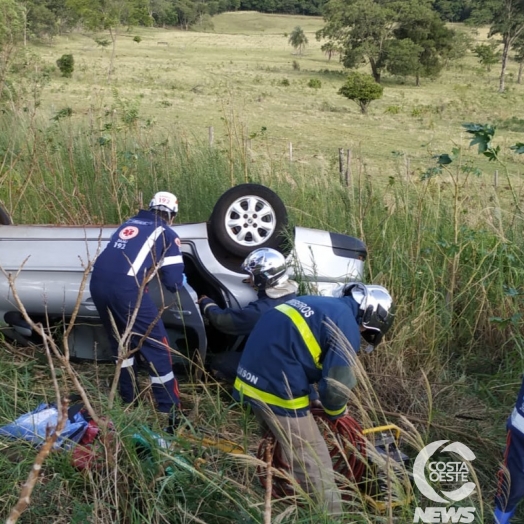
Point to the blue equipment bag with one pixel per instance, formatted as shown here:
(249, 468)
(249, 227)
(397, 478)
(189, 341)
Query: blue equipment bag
(35, 425)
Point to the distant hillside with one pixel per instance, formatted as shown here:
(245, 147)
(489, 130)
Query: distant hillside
(252, 22)
(295, 7)
(46, 19)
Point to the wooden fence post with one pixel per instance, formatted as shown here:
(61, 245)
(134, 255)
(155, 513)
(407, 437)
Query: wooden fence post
(348, 167)
(290, 151)
(496, 178)
(211, 135)
(246, 143)
(341, 162)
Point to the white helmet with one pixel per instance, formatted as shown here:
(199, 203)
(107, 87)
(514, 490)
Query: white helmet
(164, 201)
(267, 267)
(376, 309)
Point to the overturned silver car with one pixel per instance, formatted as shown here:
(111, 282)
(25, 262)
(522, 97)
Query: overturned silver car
(46, 265)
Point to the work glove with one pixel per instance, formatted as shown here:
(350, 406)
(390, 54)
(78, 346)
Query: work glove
(205, 302)
(502, 517)
(178, 287)
(314, 401)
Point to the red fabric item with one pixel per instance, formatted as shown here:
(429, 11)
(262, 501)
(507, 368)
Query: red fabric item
(91, 452)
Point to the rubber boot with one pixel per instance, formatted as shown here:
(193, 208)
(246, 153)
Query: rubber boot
(173, 423)
(502, 517)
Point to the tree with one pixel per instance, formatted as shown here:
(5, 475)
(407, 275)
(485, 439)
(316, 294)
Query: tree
(462, 43)
(46, 18)
(65, 18)
(361, 88)
(403, 57)
(330, 49)
(518, 47)
(160, 11)
(11, 22)
(11, 34)
(487, 54)
(298, 39)
(419, 23)
(453, 10)
(186, 12)
(361, 29)
(108, 15)
(365, 30)
(506, 18)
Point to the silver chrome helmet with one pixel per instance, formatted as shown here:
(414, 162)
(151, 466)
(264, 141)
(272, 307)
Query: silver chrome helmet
(267, 267)
(164, 201)
(376, 308)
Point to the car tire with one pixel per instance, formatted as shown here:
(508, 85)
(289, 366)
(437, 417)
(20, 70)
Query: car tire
(5, 217)
(248, 217)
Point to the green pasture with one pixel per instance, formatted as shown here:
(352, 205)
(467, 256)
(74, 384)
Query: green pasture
(237, 74)
(248, 23)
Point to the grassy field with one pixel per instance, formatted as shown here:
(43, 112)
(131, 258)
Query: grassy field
(236, 76)
(450, 248)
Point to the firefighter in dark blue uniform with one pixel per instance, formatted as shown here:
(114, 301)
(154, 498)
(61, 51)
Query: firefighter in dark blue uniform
(143, 248)
(267, 275)
(310, 340)
(511, 476)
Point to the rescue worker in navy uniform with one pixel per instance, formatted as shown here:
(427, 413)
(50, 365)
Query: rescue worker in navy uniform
(511, 476)
(142, 248)
(267, 275)
(308, 340)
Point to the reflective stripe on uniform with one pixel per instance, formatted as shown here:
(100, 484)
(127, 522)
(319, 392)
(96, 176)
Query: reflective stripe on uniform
(336, 412)
(128, 362)
(517, 420)
(163, 379)
(144, 251)
(268, 398)
(305, 332)
(169, 261)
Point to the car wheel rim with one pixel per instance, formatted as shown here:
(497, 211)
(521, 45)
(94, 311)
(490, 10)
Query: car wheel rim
(250, 221)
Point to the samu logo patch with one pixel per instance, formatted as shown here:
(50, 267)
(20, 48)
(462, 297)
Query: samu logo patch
(128, 232)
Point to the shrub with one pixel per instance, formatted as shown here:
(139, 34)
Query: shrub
(361, 88)
(488, 54)
(394, 110)
(284, 82)
(66, 64)
(332, 72)
(137, 39)
(63, 113)
(514, 124)
(102, 42)
(420, 110)
(315, 83)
